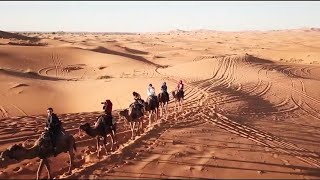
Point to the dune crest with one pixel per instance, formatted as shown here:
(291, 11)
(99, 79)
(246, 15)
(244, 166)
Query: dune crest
(251, 107)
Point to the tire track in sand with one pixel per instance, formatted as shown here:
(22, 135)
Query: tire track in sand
(262, 138)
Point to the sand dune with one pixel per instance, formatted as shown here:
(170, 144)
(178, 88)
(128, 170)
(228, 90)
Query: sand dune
(8, 35)
(251, 106)
(27, 74)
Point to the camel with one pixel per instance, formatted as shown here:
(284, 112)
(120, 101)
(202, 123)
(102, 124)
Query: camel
(178, 96)
(152, 106)
(134, 115)
(99, 131)
(163, 99)
(42, 148)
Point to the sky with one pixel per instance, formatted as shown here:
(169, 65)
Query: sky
(157, 16)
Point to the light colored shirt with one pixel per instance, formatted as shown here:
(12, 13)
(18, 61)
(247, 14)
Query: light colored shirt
(151, 91)
(180, 87)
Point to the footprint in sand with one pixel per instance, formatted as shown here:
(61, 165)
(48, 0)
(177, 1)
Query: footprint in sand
(285, 162)
(93, 177)
(128, 163)
(261, 172)
(17, 169)
(191, 168)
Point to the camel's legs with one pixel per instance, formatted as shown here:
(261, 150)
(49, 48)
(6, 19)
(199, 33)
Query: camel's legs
(175, 107)
(138, 127)
(167, 109)
(164, 111)
(113, 136)
(104, 144)
(157, 113)
(161, 110)
(71, 157)
(155, 116)
(98, 146)
(182, 105)
(141, 124)
(46, 163)
(150, 116)
(40, 168)
(131, 130)
(112, 140)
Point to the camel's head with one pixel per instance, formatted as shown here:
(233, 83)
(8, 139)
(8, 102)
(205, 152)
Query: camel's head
(84, 127)
(11, 153)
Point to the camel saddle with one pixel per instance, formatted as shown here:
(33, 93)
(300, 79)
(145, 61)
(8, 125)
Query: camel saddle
(45, 143)
(152, 98)
(136, 106)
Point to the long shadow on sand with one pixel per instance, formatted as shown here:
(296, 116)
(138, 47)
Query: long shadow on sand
(190, 124)
(294, 70)
(30, 75)
(306, 170)
(132, 56)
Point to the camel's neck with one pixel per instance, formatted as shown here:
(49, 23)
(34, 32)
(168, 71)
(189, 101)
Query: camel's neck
(91, 132)
(28, 153)
(128, 118)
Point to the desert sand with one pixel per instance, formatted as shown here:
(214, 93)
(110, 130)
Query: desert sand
(251, 109)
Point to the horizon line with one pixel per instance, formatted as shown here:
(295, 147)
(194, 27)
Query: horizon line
(178, 29)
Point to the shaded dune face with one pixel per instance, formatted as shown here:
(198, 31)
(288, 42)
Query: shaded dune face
(251, 106)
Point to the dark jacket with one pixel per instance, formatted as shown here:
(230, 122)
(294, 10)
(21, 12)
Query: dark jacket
(107, 122)
(53, 123)
(137, 96)
(106, 118)
(164, 88)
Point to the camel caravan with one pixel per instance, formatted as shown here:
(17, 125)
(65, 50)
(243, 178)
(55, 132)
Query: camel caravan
(55, 140)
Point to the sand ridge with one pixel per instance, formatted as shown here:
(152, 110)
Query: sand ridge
(251, 108)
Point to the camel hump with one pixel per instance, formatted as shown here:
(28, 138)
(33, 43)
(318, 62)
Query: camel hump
(136, 110)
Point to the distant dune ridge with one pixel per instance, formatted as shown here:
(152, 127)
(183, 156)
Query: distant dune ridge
(251, 107)
(8, 35)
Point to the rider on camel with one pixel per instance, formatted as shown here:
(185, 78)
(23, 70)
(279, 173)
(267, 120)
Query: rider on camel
(136, 96)
(180, 88)
(107, 118)
(54, 127)
(137, 99)
(164, 89)
(151, 92)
